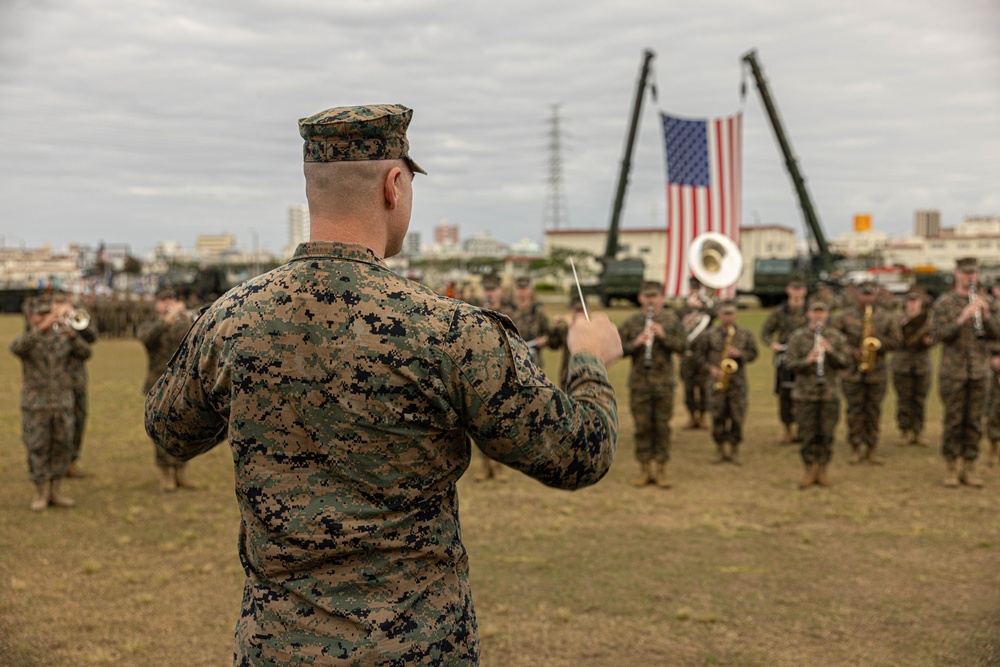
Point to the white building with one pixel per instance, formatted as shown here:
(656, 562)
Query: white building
(298, 227)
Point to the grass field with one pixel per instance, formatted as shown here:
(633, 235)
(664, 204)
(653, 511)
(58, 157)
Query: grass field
(733, 566)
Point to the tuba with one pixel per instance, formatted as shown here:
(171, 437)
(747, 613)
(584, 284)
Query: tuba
(716, 261)
(870, 345)
(727, 366)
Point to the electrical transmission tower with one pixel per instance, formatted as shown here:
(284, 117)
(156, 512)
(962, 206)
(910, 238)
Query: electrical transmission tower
(555, 206)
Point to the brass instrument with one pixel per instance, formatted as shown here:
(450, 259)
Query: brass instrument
(870, 345)
(647, 358)
(76, 319)
(727, 366)
(977, 317)
(818, 344)
(716, 261)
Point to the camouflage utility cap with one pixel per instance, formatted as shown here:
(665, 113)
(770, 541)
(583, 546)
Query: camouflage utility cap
(728, 306)
(818, 304)
(868, 287)
(348, 134)
(967, 265)
(651, 288)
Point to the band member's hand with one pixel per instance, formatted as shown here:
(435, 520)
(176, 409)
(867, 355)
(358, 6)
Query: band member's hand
(735, 353)
(776, 347)
(657, 330)
(598, 337)
(995, 364)
(714, 372)
(643, 338)
(541, 341)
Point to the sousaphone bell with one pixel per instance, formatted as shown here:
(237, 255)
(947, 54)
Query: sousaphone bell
(716, 261)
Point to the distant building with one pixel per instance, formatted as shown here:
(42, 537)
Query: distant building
(927, 223)
(212, 245)
(483, 245)
(446, 235)
(298, 227)
(977, 236)
(411, 244)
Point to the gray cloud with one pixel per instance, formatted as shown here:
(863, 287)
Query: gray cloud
(144, 120)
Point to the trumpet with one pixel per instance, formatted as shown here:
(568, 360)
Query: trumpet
(870, 345)
(647, 359)
(727, 366)
(76, 319)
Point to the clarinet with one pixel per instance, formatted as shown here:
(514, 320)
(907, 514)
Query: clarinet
(977, 318)
(647, 359)
(820, 372)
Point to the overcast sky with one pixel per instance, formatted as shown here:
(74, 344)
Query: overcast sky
(136, 121)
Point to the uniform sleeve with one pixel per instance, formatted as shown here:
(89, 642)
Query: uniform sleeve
(770, 326)
(150, 330)
(179, 416)
(22, 345)
(517, 416)
(944, 329)
(80, 348)
(749, 350)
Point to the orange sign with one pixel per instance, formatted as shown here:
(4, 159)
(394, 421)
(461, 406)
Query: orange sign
(862, 222)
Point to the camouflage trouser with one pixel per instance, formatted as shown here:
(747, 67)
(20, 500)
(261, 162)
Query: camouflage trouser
(80, 419)
(784, 382)
(864, 405)
(993, 409)
(911, 397)
(693, 376)
(817, 421)
(963, 402)
(48, 437)
(728, 410)
(652, 409)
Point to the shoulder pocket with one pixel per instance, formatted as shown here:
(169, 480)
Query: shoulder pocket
(527, 372)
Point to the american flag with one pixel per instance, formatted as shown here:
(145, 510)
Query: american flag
(704, 168)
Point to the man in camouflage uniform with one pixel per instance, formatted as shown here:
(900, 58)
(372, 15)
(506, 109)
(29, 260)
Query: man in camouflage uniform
(778, 326)
(911, 366)
(693, 313)
(652, 337)
(964, 325)
(349, 394)
(816, 355)
(993, 382)
(559, 335)
(45, 349)
(864, 383)
(161, 336)
(529, 317)
(78, 374)
(727, 391)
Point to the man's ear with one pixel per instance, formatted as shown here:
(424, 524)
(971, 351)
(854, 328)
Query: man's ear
(391, 187)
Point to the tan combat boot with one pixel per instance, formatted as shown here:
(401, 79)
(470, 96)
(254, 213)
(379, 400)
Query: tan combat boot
(734, 454)
(872, 458)
(821, 477)
(905, 438)
(73, 470)
(810, 476)
(968, 475)
(855, 455)
(168, 479)
(951, 478)
(699, 419)
(692, 421)
(916, 440)
(645, 474)
(720, 453)
(41, 499)
(796, 436)
(788, 438)
(661, 475)
(994, 453)
(181, 478)
(56, 498)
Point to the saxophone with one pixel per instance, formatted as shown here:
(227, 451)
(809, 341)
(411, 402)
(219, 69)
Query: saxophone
(726, 365)
(870, 345)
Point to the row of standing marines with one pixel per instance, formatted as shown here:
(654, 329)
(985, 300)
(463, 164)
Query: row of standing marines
(819, 359)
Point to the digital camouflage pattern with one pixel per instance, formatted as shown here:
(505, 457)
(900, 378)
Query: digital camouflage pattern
(911, 373)
(816, 399)
(346, 134)
(47, 399)
(778, 326)
(728, 408)
(349, 395)
(161, 339)
(651, 387)
(81, 404)
(531, 323)
(864, 392)
(963, 373)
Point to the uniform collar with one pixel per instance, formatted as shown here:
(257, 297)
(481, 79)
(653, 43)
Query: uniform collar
(337, 250)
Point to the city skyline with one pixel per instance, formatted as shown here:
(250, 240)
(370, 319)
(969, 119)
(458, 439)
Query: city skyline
(140, 122)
